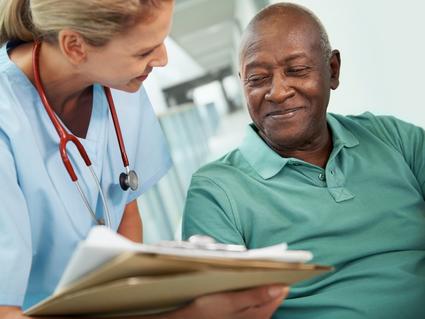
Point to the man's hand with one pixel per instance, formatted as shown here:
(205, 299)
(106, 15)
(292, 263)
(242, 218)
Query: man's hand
(256, 303)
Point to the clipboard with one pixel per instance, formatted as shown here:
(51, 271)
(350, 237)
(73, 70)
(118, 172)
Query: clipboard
(142, 283)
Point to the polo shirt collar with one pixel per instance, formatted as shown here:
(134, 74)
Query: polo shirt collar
(340, 135)
(267, 163)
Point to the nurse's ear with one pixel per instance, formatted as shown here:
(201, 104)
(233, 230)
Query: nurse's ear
(73, 46)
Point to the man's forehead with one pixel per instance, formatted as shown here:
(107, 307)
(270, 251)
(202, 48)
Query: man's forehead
(282, 22)
(283, 40)
(252, 44)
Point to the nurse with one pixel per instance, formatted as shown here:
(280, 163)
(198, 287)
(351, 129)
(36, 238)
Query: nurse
(82, 46)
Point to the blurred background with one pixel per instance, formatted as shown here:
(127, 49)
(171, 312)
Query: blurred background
(199, 102)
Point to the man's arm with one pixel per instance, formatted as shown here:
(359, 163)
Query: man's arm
(256, 303)
(406, 138)
(210, 210)
(411, 143)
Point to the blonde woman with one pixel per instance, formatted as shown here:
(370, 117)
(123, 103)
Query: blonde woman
(64, 166)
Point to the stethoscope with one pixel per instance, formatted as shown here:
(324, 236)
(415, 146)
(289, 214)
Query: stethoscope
(127, 179)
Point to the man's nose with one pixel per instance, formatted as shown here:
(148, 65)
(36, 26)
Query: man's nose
(160, 59)
(280, 90)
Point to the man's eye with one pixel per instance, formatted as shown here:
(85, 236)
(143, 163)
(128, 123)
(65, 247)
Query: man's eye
(297, 71)
(257, 79)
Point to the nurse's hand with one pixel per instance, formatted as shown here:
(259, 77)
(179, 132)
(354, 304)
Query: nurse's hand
(256, 303)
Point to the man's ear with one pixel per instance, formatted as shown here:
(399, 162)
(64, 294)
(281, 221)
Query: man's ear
(335, 65)
(73, 46)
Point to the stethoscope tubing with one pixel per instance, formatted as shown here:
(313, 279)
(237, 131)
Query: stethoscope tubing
(111, 105)
(65, 138)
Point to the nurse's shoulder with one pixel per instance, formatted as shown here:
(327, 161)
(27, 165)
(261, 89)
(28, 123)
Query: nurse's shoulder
(16, 90)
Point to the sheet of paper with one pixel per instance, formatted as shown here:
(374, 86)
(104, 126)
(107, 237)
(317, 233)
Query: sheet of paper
(102, 245)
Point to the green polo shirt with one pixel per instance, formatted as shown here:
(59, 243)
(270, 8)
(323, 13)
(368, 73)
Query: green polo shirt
(364, 213)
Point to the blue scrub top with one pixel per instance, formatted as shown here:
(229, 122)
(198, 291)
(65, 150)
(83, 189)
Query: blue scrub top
(42, 216)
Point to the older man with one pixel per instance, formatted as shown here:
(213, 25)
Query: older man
(350, 189)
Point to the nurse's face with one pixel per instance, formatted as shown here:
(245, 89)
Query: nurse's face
(128, 58)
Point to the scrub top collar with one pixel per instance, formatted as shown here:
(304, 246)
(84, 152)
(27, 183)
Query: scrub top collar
(97, 114)
(9, 68)
(95, 142)
(267, 163)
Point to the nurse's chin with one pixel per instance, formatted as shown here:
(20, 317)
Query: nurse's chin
(130, 87)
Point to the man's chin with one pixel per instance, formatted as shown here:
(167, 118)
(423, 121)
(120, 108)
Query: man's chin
(282, 139)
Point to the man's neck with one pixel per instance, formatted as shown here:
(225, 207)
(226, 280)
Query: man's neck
(316, 152)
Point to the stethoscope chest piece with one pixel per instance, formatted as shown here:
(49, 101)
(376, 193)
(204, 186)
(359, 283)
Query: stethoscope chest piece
(129, 180)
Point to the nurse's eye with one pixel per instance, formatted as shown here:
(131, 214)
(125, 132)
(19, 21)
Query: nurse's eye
(298, 71)
(145, 54)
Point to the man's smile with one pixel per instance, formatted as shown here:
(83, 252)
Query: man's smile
(284, 114)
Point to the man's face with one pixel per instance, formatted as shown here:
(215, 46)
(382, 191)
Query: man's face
(287, 82)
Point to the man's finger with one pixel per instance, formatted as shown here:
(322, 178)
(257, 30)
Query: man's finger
(262, 311)
(258, 296)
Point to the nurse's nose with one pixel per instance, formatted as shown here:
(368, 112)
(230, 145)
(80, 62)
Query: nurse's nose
(160, 58)
(280, 89)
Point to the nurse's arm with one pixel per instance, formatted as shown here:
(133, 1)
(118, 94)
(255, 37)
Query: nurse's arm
(131, 223)
(255, 303)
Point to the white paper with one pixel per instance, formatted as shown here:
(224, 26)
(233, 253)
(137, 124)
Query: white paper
(102, 245)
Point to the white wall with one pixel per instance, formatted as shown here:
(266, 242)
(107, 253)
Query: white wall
(382, 47)
(181, 67)
(156, 96)
(244, 11)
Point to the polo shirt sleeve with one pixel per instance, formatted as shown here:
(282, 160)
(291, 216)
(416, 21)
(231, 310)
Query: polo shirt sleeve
(15, 233)
(406, 138)
(209, 211)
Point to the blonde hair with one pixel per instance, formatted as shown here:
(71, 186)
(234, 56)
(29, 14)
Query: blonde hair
(96, 20)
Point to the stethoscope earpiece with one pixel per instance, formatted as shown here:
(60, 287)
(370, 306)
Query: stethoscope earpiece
(129, 180)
